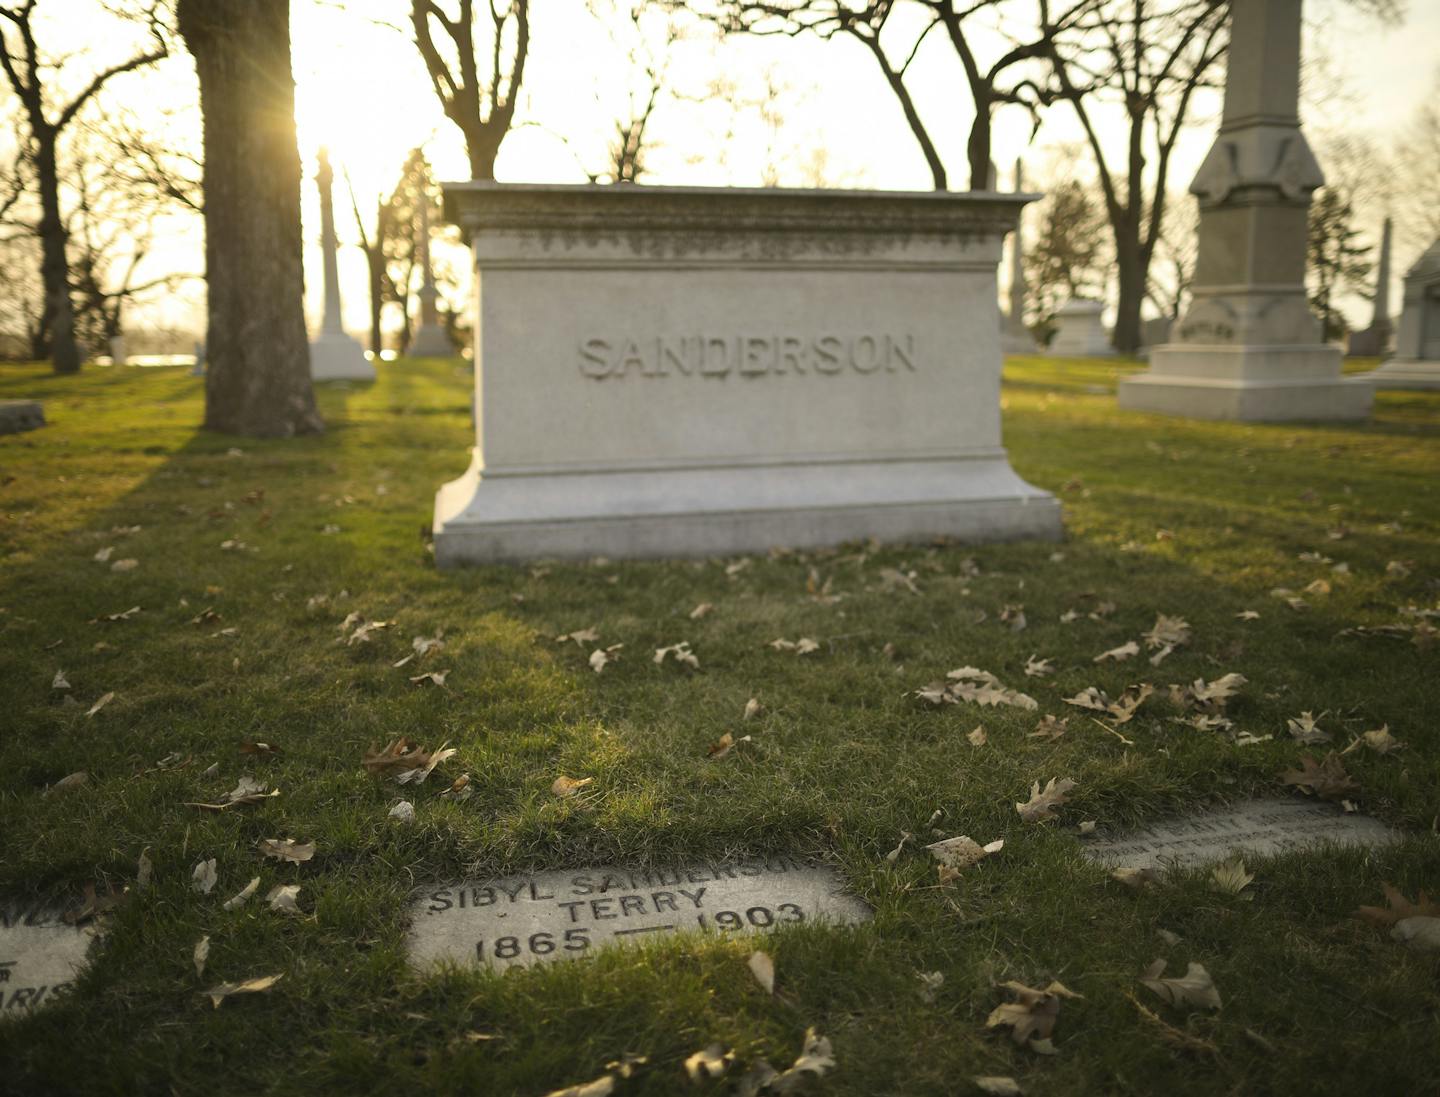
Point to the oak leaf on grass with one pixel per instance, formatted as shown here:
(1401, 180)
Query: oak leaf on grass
(709, 1062)
(725, 745)
(1043, 802)
(250, 986)
(569, 786)
(1398, 907)
(1325, 779)
(240, 897)
(1032, 1015)
(1194, 988)
(203, 876)
(286, 849)
(815, 1059)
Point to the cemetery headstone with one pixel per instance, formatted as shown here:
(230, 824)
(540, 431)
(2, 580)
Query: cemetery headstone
(1080, 330)
(334, 355)
(1255, 827)
(431, 340)
(20, 415)
(1416, 364)
(1374, 341)
(40, 954)
(563, 915)
(668, 371)
(1248, 347)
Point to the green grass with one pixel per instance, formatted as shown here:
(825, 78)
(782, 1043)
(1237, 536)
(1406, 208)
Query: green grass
(843, 758)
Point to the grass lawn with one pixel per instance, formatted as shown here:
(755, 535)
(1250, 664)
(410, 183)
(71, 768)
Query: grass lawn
(283, 539)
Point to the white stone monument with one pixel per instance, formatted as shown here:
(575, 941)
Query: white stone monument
(1374, 341)
(431, 340)
(334, 355)
(1080, 331)
(1416, 364)
(687, 371)
(1249, 348)
(1015, 337)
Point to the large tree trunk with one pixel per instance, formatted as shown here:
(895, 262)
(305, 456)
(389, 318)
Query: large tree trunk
(257, 380)
(1132, 275)
(58, 321)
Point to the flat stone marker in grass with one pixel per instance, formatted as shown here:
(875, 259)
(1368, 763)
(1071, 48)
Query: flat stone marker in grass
(1257, 827)
(39, 954)
(567, 913)
(20, 415)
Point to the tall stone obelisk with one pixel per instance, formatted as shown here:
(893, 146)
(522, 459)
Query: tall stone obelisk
(1375, 340)
(430, 340)
(334, 356)
(1249, 347)
(1015, 337)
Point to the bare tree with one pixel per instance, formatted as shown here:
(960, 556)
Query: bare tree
(1172, 267)
(36, 80)
(258, 376)
(482, 108)
(1418, 163)
(1067, 257)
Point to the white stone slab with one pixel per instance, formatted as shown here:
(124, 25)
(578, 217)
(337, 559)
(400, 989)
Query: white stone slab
(1255, 827)
(568, 913)
(39, 955)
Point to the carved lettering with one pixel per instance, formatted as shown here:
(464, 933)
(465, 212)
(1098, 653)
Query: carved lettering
(749, 356)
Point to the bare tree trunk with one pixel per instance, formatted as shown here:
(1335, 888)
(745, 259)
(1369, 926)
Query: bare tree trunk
(58, 322)
(258, 356)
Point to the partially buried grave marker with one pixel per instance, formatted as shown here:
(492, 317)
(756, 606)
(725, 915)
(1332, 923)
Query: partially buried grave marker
(566, 914)
(1257, 827)
(39, 954)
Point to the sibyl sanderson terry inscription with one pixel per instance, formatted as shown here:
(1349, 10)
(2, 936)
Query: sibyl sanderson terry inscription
(566, 914)
(40, 954)
(746, 355)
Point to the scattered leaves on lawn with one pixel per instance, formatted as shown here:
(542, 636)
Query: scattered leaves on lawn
(104, 700)
(1032, 1015)
(681, 653)
(282, 898)
(1194, 988)
(1167, 634)
(701, 610)
(250, 986)
(978, 737)
(1398, 907)
(803, 646)
(434, 677)
(1038, 668)
(200, 954)
(1042, 804)
(65, 784)
(1050, 728)
(763, 968)
(976, 686)
(1303, 729)
(601, 657)
(405, 760)
(1230, 877)
(709, 1062)
(238, 900)
(1119, 655)
(753, 708)
(580, 636)
(1123, 708)
(569, 786)
(998, 1085)
(286, 849)
(1324, 779)
(203, 876)
(725, 745)
(959, 853)
(248, 791)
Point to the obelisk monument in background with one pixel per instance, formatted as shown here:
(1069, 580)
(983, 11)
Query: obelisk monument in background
(430, 340)
(334, 356)
(1375, 340)
(1249, 348)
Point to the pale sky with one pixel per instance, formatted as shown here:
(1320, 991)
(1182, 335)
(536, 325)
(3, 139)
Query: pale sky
(361, 89)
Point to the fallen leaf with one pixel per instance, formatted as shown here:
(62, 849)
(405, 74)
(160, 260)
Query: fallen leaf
(286, 849)
(200, 955)
(569, 786)
(1214, 695)
(930, 984)
(1398, 907)
(260, 749)
(1119, 655)
(763, 968)
(681, 652)
(203, 876)
(997, 1085)
(1014, 616)
(125, 565)
(1031, 1016)
(1327, 780)
(755, 1080)
(894, 854)
(602, 1086)
(250, 986)
(709, 1062)
(753, 708)
(580, 636)
(1248, 615)
(248, 791)
(1194, 988)
(602, 656)
(978, 737)
(405, 760)
(725, 745)
(239, 898)
(404, 811)
(434, 677)
(1380, 741)
(816, 1058)
(460, 789)
(104, 700)
(1137, 878)
(961, 852)
(701, 610)
(1176, 1037)
(1041, 805)
(1303, 730)
(103, 555)
(66, 783)
(1038, 668)
(1230, 877)
(1050, 728)
(1421, 933)
(59, 682)
(124, 615)
(282, 898)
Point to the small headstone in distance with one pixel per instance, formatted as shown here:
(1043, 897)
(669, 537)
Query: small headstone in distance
(566, 914)
(20, 415)
(1257, 827)
(40, 954)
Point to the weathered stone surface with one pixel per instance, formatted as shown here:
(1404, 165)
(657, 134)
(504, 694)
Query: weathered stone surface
(1256, 827)
(1080, 331)
(566, 914)
(1416, 364)
(670, 371)
(334, 355)
(40, 955)
(20, 415)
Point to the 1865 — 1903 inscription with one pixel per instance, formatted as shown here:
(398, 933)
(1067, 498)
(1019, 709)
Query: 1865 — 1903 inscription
(566, 914)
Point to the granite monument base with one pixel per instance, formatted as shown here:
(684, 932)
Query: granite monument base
(1407, 373)
(335, 356)
(431, 342)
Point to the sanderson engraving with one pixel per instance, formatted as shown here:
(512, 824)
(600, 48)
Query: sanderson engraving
(746, 355)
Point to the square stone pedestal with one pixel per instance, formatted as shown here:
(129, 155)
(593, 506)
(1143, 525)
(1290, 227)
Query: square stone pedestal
(687, 371)
(1407, 373)
(335, 356)
(1267, 383)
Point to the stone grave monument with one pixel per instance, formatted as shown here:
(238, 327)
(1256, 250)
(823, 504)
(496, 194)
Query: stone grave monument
(40, 954)
(1015, 337)
(431, 340)
(1249, 348)
(1080, 331)
(668, 371)
(1416, 364)
(334, 355)
(1374, 341)
(21, 415)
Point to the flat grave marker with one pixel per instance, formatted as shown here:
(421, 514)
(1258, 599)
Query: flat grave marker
(567, 913)
(40, 954)
(1257, 827)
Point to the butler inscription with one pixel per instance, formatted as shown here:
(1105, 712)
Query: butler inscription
(1259, 827)
(566, 914)
(39, 955)
(746, 355)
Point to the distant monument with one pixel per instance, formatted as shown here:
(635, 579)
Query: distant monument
(688, 371)
(1416, 364)
(430, 340)
(1079, 331)
(1015, 337)
(334, 356)
(1249, 348)
(1374, 341)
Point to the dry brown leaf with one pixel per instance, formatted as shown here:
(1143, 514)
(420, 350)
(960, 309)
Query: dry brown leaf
(203, 876)
(1127, 650)
(580, 636)
(59, 681)
(1421, 933)
(239, 898)
(998, 1085)
(260, 749)
(405, 760)
(602, 1086)
(250, 986)
(1398, 907)
(1230, 877)
(434, 677)
(286, 849)
(960, 852)
(816, 1058)
(200, 954)
(1050, 728)
(701, 610)
(569, 786)
(709, 1062)
(601, 657)
(1194, 988)
(282, 898)
(68, 782)
(1325, 779)
(1031, 1016)
(248, 791)
(104, 700)
(725, 745)
(1038, 668)
(763, 968)
(1176, 1037)
(460, 790)
(1303, 729)
(753, 708)
(1042, 804)
(1137, 878)
(1380, 741)
(978, 737)
(1014, 616)
(681, 653)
